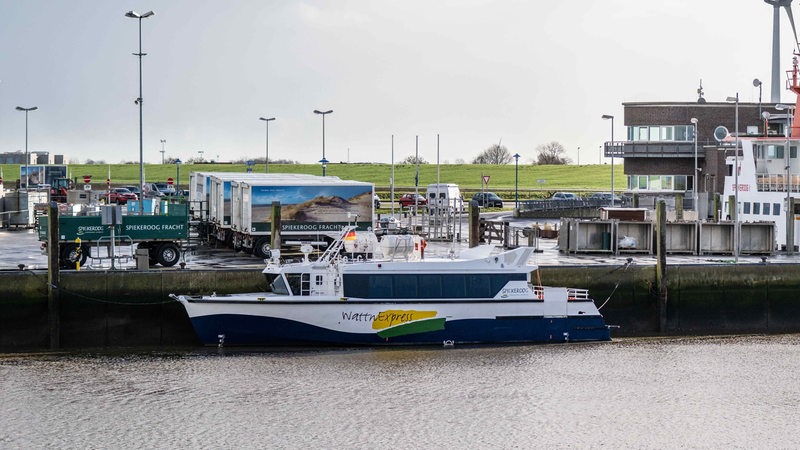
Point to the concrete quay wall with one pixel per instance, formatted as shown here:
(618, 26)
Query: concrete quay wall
(132, 308)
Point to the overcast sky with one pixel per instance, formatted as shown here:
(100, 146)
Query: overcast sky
(476, 72)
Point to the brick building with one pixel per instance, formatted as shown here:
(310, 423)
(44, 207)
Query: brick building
(659, 150)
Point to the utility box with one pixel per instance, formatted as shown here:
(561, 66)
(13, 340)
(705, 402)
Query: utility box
(716, 238)
(626, 214)
(142, 259)
(634, 237)
(595, 236)
(757, 238)
(681, 237)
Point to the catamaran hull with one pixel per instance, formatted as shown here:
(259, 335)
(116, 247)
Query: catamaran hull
(345, 323)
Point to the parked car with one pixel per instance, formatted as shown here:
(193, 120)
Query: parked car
(564, 196)
(376, 200)
(148, 193)
(121, 196)
(411, 199)
(605, 197)
(152, 190)
(488, 199)
(165, 188)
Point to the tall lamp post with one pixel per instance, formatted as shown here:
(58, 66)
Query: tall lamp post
(139, 17)
(323, 114)
(27, 158)
(324, 163)
(163, 141)
(789, 214)
(266, 122)
(516, 180)
(606, 117)
(736, 182)
(695, 184)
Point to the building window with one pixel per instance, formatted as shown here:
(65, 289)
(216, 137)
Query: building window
(680, 182)
(669, 133)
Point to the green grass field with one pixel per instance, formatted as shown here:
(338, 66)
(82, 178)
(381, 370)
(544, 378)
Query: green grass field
(534, 181)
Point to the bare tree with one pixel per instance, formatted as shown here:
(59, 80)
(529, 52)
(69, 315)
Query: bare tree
(552, 153)
(496, 154)
(410, 159)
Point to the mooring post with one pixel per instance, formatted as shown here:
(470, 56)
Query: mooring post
(661, 265)
(679, 206)
(474, 224)
(53, 314)
(275, 230)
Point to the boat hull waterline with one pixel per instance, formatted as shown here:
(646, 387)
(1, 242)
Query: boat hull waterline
(243, 320)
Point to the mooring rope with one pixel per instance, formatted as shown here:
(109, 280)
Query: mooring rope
(98, 300)
(624, 268)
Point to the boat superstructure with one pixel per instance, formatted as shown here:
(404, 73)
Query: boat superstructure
(769, 174)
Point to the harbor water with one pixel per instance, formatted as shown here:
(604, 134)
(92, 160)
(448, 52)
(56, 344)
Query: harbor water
(702, 392)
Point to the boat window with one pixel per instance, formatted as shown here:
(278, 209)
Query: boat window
(793, 152)
(279, 286)
(318, 280)
(405, 286)
(746, 207)
(380, 286)
(456, 287)
(766, 209)
(298, 283)
(776, 209)
(479, 285)
(426, 285)
(756, 208)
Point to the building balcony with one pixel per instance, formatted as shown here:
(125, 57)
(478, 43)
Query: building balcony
(628, 149)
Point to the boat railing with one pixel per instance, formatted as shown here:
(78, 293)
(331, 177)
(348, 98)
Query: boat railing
(337, 245)
(575, 294)
(776, 183)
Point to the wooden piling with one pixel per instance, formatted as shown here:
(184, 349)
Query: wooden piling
(275, 236)
(53, 296)
(661, 264)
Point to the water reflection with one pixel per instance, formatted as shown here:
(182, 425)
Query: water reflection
(643, 393)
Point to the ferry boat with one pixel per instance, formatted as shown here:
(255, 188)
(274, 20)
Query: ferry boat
(769, 175)
(478, 297)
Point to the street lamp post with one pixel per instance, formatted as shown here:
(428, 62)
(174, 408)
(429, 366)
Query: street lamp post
(695, 182)
(323, 113)
(27, 158)
(579, 155)
(516, 180)
(139, 17)
(266, 122)
(606, 117)
(736, 182)
(789, 213)
(163, 141)
(324, 163)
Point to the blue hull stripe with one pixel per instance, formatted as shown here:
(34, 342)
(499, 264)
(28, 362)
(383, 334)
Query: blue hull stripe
(253, 330)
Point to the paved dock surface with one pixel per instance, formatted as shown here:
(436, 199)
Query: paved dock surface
(21, 246)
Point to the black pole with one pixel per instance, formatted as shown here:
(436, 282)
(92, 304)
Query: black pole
(53, 275)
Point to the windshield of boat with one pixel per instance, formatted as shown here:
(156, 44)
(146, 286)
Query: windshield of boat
(279, 286)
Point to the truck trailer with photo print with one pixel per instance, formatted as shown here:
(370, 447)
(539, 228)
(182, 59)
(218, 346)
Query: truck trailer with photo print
(313, 210)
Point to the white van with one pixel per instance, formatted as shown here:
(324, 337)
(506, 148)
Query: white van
(444, 197)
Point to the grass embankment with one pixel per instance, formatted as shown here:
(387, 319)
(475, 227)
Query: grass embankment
(534, 181)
